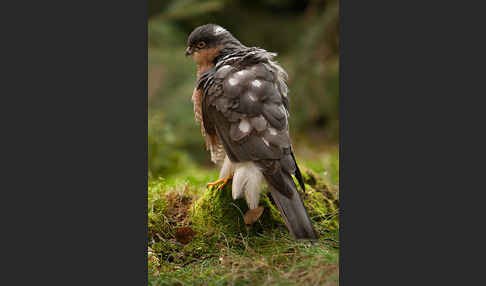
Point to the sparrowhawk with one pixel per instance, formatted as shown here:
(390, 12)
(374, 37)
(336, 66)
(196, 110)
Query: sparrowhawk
(241, 103)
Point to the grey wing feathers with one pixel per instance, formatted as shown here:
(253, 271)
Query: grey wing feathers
(252, 119)
(248, 110)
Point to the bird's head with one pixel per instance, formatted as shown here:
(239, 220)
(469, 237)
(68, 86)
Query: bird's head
(207, 41)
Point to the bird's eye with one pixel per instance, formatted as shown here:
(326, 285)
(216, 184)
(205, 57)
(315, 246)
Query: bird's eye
(201, 44)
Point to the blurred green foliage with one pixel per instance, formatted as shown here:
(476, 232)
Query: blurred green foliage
(303, 33)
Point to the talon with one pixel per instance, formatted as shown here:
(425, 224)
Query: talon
(225, 181)
(221, 182)
(211, 184)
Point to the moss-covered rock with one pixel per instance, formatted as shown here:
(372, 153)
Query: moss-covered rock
(217, 210)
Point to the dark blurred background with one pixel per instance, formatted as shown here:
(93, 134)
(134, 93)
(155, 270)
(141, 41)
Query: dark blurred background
(303, 33)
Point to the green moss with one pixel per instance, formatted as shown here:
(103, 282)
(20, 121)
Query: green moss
(202, 245)
(321, 201)
(224, 250)
(169, 251)
(218, 211)
(157, 221)
(319, 183)
(153, 263)
(322, 210)
(158, 225)
(308, 176)
(158, 207)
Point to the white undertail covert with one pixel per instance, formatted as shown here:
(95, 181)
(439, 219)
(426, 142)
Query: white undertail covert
(247, 181)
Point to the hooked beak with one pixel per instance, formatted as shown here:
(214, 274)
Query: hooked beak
(189, 51)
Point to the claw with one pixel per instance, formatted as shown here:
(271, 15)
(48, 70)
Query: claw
(221, 182)
(214, 183)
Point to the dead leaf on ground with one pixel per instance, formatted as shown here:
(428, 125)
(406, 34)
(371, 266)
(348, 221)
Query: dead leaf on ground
(251, 216)
(185, 235)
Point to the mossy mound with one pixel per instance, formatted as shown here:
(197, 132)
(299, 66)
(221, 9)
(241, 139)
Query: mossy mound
(215, 223)
(217, 210)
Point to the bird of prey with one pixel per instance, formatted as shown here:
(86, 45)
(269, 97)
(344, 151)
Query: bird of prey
(241, 103)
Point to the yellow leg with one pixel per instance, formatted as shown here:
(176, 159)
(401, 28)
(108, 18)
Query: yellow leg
(221, 182)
